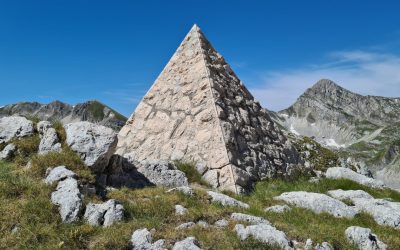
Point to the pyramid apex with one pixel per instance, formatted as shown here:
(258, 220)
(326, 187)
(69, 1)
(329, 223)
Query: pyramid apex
(195, 27)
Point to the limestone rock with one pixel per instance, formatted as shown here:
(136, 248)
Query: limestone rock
(180, 210)
(42, 127)
(104, 214)
(142, 240)
(198, 110)
(278, 209)
(345, 173)
(324, 246)
(14, 126)
(349, 194)
(318, 203)
(203, 224)
(248, 218)
(8, 151)
(69, 200)
(364, 239)
(49, 142)
(190, 243)
(185, 225)
(59, 173)
(264, 233)
(226, 200)
(95, 144)
(384, 212)
(163, 173)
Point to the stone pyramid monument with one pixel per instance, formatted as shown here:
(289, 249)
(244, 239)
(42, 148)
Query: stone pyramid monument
(199, 111)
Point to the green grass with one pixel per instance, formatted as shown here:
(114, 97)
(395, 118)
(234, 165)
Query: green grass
(190, 171)
(27, 147)
(97, 110)
(25, 201)
(59, 127)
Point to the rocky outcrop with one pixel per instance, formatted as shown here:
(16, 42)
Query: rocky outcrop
(104, 214)
(190, 243)
(91, 111)
(364, 239)
(142, 240)
(349, 194)
(95, 144)
(264, 233)
(57, 174)
(69, 200)
(345, 173)
(199, 111)
(14, 127)
(49, 142)
(8, 152)
(225, 200)
(318, 203)
(163, 173)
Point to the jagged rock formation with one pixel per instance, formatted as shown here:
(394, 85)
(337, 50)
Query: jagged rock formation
(364, 128)
(91, 111)
(14, 127)
(198, 110)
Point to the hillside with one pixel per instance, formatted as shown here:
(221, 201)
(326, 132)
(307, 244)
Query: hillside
(92, 111)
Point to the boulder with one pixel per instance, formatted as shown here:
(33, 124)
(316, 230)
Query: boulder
(49, 142)
(384, 212)
(14, 127)
(349, 194)
(8, 151)
(324, 246)
(104, 214)
(190, 243)
(142, 240)
(264, 233)
(69, 200)
(57, 174)
(248, 218)
(203, 224)
(225, 200)
(180, 210)
(42, 127)
(318, 203)
(221, 223)
(163, 173)
(95, 144)
(345, 173)
(185, 225)
(364, 239)
(278, 209)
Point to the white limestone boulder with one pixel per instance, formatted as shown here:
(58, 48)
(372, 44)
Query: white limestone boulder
(163, 173)
(14, 127)
(248, 218)
(104, 214)
(278, 209)
(349, 194)
(190, 243)
(226, 200)
(49, 142)
(364, 239)
(142, 239)
(8, 151)
(346, 173)
(57, 174)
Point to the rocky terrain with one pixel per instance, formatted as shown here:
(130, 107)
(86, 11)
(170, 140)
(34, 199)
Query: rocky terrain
(359, 128)
(92, 111)
(199, 165)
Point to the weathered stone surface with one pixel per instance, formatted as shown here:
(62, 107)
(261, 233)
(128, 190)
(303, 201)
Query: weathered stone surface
(180, 210)
(278, 209)
(142, 240)
(345, 173)
(248, 218)
(69, 200)
(58, 173)
(42, 127)
(324, 246)
(384, 212)
(49, 141)
(318, 203)
(95, 144)
(221, 223)
(226, 200)
(190, 243)
(264, 233)
(203, 224)
(184, 189)
(349, 194)
(105, 214)
(198, 110)
(163, 173)
(14, 126)
(8, 151)
(364, 239)
(185, 225)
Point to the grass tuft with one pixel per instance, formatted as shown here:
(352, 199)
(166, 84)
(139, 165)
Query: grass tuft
(191, 172)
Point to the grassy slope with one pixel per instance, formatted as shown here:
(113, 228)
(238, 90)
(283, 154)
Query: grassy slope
(25, 202)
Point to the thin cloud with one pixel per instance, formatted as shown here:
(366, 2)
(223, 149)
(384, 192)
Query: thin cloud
(364, 72)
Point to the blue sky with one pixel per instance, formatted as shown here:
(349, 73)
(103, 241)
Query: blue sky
(112, 51)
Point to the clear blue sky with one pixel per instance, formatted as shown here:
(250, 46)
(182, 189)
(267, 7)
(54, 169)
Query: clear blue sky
(112, 51)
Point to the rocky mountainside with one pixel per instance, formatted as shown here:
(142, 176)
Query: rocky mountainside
(365, 128)
(92, 111)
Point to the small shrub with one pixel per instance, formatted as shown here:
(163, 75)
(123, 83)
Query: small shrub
(59, 127)
(190, 171)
